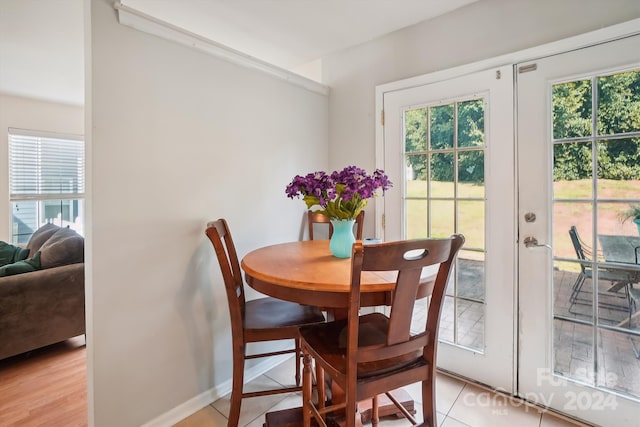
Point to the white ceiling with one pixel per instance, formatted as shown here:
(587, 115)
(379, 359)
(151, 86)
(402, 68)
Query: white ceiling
(289, 33)
(41, 49)
(41, 42)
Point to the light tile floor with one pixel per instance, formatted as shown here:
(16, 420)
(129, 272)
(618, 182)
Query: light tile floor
(459, 404)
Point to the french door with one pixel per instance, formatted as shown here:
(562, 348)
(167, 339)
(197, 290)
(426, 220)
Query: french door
(578, 121)
(450, 155)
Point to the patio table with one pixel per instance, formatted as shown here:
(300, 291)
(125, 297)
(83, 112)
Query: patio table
(621, 249)
(624, 253)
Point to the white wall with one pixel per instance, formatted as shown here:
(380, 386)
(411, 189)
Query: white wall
(30, 114)
(481, 30)
(180, 138)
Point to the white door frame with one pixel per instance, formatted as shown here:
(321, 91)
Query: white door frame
(494, 364)
(583, 40)
(537, 380)
(588, 39)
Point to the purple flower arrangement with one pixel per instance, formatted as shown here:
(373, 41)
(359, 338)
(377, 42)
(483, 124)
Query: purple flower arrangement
(343, 194)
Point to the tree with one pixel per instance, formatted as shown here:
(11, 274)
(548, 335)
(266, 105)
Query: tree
(415, 125)
(618, 112)
(470, 132)
(471, 135)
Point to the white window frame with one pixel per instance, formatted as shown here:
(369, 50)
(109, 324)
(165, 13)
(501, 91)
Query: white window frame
(40, 193)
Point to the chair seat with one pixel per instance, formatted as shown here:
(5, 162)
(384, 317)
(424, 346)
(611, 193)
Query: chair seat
(329, 341)
(273, 313)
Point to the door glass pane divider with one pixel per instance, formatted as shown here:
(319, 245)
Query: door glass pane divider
(428, 154)
(634, 332)
(448, 199)
(618, 266)
(560, 141)
(469, 299)
(590, 200)
(454, 150)
(594, 226)
(572, 320)
(612, 328)
(597, 137)
(623, 135)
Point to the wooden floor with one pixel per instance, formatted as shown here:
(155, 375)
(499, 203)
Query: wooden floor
(45, 387)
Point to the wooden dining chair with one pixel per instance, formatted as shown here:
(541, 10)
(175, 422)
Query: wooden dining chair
(370, 354)
(314, 217)
(263, 319)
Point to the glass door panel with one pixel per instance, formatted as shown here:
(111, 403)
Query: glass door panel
(451, 137)
(579, 163)
(596, 176)
(437, 147)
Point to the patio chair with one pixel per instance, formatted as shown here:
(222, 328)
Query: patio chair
(621, 280)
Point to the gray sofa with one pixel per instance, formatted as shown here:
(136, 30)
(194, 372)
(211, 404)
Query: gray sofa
(45, 306)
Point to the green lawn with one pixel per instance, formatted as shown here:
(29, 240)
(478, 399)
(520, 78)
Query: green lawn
(470, 214)
(580, 213)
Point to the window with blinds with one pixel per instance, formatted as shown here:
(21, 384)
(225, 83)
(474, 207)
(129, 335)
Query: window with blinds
(46, 181)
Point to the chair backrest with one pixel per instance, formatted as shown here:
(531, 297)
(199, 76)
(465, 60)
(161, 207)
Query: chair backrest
(220, 236)
(583, 252)
(577, 245)
(408, 258)
(319, 218)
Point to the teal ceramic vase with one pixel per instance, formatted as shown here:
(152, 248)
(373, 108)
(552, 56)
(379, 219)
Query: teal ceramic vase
(342, 239)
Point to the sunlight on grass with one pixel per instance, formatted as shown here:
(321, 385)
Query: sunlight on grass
(470, 213)
(444, 188)
(580, 213)
(607, 189)
(578, 189)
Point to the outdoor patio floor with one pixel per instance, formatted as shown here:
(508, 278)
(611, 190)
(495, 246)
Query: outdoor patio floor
(617, 364)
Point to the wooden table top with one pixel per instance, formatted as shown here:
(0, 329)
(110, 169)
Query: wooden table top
(307, 273)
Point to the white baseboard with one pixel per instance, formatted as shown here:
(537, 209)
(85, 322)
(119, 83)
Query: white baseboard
(207, 397)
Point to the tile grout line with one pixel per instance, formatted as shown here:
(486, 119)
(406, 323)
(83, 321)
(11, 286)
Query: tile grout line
(464, 385)
(541, 410)
(226, 417)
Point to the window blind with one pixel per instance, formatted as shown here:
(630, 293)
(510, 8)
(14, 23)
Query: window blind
(45, 167)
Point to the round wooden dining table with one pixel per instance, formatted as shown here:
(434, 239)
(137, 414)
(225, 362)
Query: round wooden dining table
(307, 273)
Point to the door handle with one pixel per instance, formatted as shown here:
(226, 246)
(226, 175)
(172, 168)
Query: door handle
(532, 242)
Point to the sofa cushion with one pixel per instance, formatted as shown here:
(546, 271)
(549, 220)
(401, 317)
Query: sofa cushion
(64, 247)
(10, 253)
(24, 266)
(40, 236)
